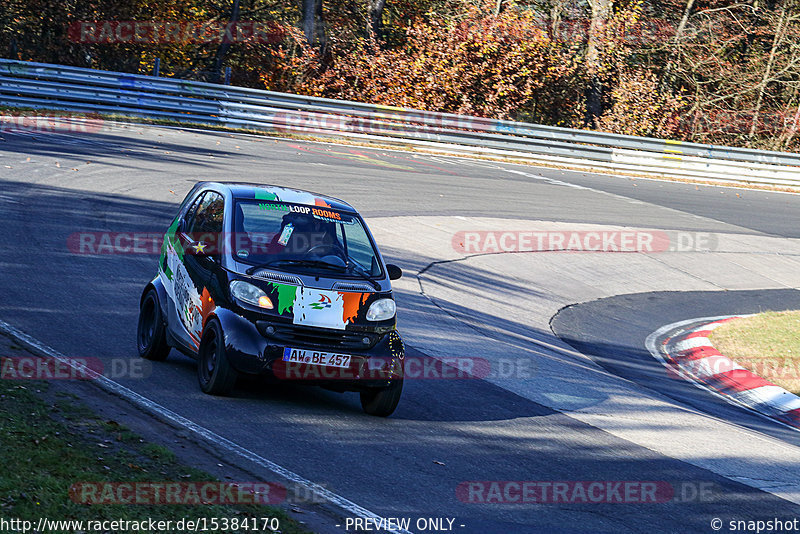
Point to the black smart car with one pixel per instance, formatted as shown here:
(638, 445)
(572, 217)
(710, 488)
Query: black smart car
(263, 280)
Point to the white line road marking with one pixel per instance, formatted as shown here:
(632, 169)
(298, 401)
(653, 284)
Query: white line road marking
(553, 181)
(153, 407)
(443, 160)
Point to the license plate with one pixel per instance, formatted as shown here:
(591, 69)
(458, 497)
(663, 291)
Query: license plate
(316, 357)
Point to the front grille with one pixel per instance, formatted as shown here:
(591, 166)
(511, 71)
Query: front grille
(317, 337)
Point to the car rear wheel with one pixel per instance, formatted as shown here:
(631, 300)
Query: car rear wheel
(382, 402)
(214, 371)
(151, 336)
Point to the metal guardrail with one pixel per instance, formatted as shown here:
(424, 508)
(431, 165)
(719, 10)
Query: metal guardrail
(75, 89)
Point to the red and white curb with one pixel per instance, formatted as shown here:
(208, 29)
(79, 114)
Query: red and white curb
(688, 353)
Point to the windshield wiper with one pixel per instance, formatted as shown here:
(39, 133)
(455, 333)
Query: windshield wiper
(354, 267)
(305, 263)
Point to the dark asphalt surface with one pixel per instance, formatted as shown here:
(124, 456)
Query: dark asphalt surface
(85, 305)
(770, 213)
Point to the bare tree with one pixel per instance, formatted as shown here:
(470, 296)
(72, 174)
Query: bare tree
(668, 78)
(741, 67)
(777, 42)
(600, 13)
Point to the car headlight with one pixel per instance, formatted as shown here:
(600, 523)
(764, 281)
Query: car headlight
(382, 309)
(247, 292)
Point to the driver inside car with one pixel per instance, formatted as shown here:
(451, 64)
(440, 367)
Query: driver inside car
(303, 236)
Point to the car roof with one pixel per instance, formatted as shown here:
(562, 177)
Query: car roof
(244, 190)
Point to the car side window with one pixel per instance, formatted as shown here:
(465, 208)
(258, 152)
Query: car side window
(209, 215)
(191, 211)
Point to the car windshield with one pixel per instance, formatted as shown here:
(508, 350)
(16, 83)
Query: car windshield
(308, 239)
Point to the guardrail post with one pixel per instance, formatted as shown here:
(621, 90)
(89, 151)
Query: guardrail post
(227, 75)
(156, 66)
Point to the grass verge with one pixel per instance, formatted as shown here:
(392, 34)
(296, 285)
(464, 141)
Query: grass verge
(768, 344)
(51, 442)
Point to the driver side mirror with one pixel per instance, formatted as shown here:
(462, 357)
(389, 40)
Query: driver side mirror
(394, 271)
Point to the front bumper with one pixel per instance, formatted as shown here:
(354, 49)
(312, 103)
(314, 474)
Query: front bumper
(252, 348)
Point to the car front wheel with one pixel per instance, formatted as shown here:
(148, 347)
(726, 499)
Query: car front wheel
(382, 402)
(214, 371)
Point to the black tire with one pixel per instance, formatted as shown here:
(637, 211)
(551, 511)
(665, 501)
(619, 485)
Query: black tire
(151, 335)
(382, 402)
(214, 372)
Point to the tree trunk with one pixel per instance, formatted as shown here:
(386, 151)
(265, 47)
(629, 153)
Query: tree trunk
(225, 45)
(668, 77)
(313, 23)
(376, 18)
(601, 11)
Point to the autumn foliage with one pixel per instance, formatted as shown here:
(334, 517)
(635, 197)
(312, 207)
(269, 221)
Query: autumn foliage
(638, 108)
(491, 66)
